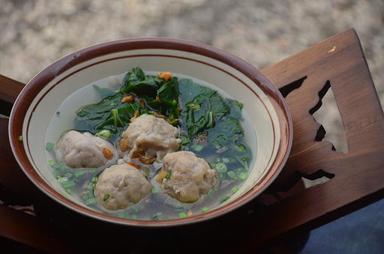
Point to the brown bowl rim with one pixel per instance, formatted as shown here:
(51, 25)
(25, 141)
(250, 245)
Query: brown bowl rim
(33, 87)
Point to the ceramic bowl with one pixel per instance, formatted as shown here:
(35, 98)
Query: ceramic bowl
(269, 134)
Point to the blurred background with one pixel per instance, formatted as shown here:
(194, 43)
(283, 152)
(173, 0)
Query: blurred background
(34, 33)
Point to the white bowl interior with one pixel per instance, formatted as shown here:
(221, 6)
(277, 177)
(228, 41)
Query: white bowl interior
(262, 130)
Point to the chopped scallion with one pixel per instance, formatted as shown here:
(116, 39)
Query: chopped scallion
(221, 167)
(205, 209)
(243, 175)
(224, 199)
(183, 215)
(51, 163)
(234, 189)
(49, 146)
(104, 134)
(232, 175)
(197, 147)
(106, 197)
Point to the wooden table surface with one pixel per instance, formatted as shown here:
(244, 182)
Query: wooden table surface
(355, 177)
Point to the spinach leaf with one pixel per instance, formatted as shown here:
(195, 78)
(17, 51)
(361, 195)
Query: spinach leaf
(235, 107)
(204, 110)
(152, 95)
(168, 96)
(137, 82)
(105, 105)
(103, 92)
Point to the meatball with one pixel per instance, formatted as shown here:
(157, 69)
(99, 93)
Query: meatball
(121, 185)
(83, 150)
(148, 138)
(185, 176)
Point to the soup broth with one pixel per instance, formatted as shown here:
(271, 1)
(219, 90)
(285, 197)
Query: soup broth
(219, 140)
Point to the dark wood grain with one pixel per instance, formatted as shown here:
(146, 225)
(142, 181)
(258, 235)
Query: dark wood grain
(356, 177)
(9, 89)
(359, 173)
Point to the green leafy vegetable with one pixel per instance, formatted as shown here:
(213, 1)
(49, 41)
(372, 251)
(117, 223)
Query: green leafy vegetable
(136, 81)
(232, 175)
(221, 167)
(79, 173)
(155, 190)
(106, 197)
(183, 215)
(153, 95)
(205, 209)
(169, 174)
(234, 189)
(204, 110)
(224, 199)
(157, 216)
(243, 175)
(49, 146)
(197, 147)
(105, 134)
(103, 92)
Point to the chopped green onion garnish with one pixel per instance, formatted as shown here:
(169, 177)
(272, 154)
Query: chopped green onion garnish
(221, 167)
(224, 199)
(183, 215)
(197, 147)
(232, 175)
(104, 134)
(116, 118)
(106, 197)
(78, 174)
(243, 161)
(179, 208)
(90, 201)
(205, 209)
(123, 215)
(169, 174)
(49, 147)
(243, 175)
(225, 160)
(210, 122)
(51, 162)
(185, 140)
(241, 148)
(68, 184)
(194, 106)
(234, 189)
(157, 216)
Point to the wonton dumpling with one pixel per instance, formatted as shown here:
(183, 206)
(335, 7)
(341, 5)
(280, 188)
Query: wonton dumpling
(149, 138)
(121, 185)
(185, 176)
(83, 150)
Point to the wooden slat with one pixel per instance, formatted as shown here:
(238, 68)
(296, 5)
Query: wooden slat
(12, 179)
(359, 173)
(30, 231)
(9, 89)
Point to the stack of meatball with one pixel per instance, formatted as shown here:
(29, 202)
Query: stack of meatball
(147, 139)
